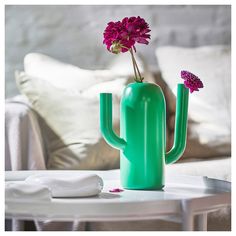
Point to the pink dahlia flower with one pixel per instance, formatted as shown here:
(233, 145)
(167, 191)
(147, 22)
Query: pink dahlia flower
(122, 35)
(191, 81)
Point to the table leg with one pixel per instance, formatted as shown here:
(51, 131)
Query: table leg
(188, 222)
(202, 222)
(79, 226)
(18, 225)
(187, 216)
(38, 226)
(48, 225)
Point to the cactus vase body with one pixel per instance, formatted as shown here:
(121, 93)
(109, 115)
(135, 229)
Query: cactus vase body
(142, 141)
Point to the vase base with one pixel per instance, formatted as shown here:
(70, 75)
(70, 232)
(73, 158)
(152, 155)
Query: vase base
(155, 188)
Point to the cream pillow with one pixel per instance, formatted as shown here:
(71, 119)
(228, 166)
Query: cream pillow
(63, 75)
(67, 99)
(210, 108)
(71, 124)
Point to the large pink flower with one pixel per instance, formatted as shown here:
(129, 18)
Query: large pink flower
(191, 81)
(122, 35)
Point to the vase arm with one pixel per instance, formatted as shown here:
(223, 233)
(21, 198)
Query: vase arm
(181, 120)
(106, 122)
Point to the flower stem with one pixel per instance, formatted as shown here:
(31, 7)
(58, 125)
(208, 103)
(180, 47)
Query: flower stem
(135, 65)
(135, 72)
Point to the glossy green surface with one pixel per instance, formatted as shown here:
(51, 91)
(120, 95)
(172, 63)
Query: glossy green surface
(143, 133)
(181, 121)
(106, 122)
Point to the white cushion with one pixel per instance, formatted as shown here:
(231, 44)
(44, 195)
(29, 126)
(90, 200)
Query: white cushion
(210, 108)
(67, 98)
(71, 130)
(63, 75)
(76, 119)
(121, 64)
(217, 168)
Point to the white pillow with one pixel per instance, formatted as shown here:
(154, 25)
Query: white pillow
(210, 108)
(67, 98)
(115, 87)
(71, 125)
(121, 64)
(63, 75)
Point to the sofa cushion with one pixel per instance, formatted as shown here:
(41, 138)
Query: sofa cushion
(71, 125)
(209, 130)
(66, 98)
(64, 75)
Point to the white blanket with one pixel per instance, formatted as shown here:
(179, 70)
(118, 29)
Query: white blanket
(42, 187)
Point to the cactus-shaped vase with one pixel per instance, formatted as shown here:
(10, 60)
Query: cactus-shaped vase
(142, 141)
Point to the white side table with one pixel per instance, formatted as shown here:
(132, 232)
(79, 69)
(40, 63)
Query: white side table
(183, 198)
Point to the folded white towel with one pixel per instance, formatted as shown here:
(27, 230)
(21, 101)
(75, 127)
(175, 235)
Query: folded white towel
(29, 192)
(83, 185)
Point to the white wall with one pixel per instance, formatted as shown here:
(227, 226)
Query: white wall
(74, 34)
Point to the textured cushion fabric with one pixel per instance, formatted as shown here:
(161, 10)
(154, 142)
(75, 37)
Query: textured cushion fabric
(121, 64)
(63, 75)
(209, 132)
(217, 168)
(71, 125)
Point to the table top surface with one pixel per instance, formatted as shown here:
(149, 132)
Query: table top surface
(127, 204)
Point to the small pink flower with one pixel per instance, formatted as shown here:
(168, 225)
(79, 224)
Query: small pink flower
(191, 81)
(116, 190)
(122, 35)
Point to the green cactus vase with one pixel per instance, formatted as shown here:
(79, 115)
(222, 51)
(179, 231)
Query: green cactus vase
(142, 141)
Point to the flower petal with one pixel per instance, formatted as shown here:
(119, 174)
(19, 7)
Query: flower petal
(116, 190)
(127, 32)
(191, 81)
